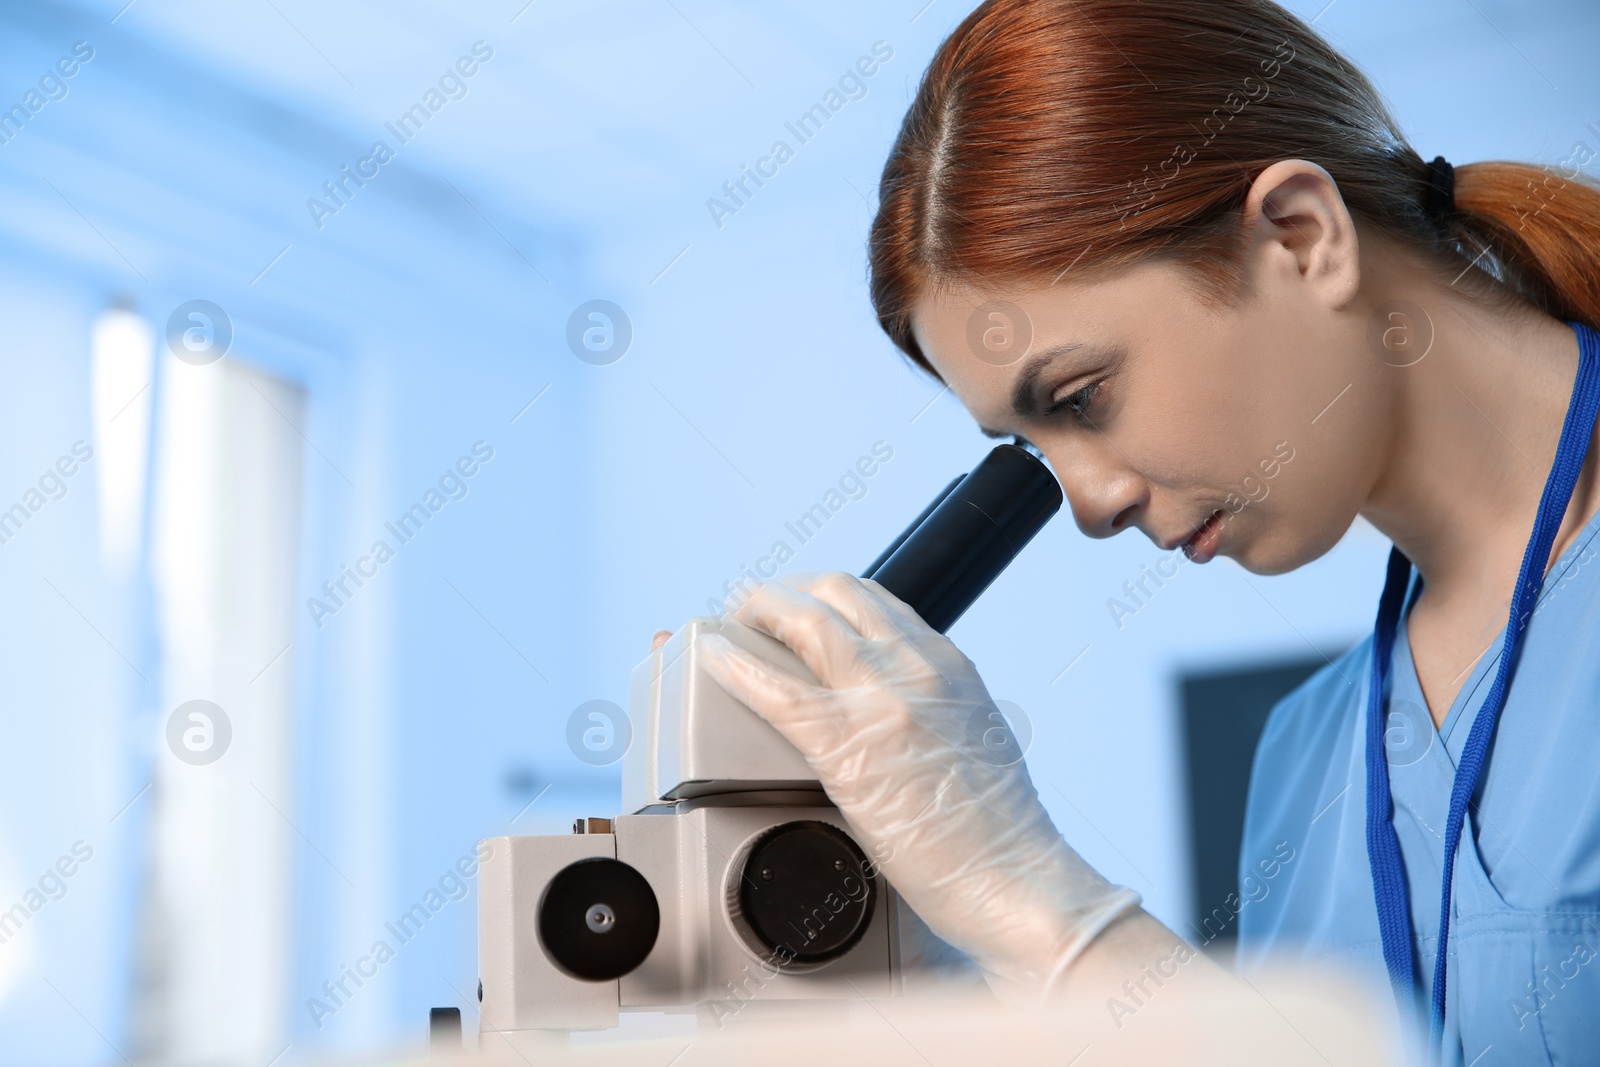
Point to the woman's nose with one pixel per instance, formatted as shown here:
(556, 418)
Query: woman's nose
(1105, 494)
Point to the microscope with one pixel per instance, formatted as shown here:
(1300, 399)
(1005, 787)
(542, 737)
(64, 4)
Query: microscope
(729, 879)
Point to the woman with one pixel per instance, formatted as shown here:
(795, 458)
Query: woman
(1199, 239)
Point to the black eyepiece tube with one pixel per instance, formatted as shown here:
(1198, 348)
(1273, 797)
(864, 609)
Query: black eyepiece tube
(970, 533)
(883, 556)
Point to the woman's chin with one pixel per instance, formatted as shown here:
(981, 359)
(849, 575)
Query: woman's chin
(1268, 557)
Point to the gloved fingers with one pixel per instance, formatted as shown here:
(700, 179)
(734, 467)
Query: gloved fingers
(861, 606)
(893, 642)
(894, 605)
(736, 599)
(812, 629)
(937, 650)
(792, 705)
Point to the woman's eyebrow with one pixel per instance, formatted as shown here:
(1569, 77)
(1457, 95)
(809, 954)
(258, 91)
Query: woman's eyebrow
(1024, 400)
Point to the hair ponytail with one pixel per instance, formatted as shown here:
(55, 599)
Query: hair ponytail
(1089, 134)
(1541, 228)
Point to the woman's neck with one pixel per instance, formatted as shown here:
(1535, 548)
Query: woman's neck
(1476, 424)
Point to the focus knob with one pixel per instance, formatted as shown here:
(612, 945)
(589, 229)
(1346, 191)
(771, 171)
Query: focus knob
(598, 919)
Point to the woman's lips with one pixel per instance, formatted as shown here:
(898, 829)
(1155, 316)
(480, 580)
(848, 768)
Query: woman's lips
(1202, 544)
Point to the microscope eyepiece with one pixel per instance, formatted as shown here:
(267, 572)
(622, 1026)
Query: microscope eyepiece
(971, 532)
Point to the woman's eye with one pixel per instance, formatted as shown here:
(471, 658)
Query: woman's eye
(1077, 402)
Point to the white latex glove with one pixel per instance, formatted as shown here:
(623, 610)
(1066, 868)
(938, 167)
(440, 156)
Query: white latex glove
(896, 734)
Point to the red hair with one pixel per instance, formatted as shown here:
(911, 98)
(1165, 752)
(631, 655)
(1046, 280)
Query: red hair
(1089, 134)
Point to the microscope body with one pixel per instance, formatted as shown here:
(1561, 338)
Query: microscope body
(719, 809)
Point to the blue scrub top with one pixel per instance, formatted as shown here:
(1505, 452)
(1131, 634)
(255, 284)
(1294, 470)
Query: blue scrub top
(1524, 980)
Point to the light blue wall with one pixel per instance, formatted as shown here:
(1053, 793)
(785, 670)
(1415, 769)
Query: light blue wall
(407, 320)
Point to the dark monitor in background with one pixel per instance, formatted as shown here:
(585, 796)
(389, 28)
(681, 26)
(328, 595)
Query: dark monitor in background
(1224, 713)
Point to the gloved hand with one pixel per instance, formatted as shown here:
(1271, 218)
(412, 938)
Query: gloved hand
(897, 733)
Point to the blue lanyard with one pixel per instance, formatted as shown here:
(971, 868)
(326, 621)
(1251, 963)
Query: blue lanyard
(1383, 847)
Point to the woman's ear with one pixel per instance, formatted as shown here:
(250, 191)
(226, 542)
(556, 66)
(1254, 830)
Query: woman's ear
(1298, 228)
